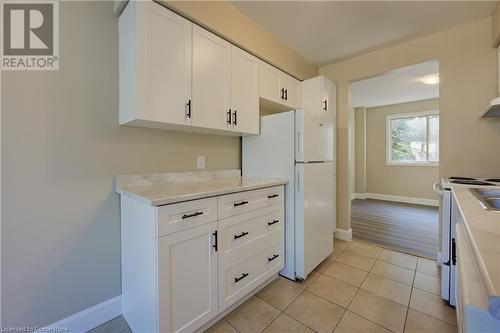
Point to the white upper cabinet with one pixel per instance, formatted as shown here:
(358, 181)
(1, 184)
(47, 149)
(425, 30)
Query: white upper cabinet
(279, 87)
(319, 96)
(329, 97)
(244, 91)
(270, 83)
(291, 90)
(155, 65)
(177, 75)
(211, 80)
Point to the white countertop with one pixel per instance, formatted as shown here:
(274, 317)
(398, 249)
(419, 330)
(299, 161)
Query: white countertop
(168, 188)
(482, 228)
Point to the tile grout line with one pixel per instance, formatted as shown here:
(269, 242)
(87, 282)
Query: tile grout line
(237, 330)
(347, 309)
(283, 312)
(383, 246)
(409, 300)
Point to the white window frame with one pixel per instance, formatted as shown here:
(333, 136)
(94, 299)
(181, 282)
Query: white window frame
(388, 144)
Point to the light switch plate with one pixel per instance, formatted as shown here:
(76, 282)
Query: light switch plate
(201, 162)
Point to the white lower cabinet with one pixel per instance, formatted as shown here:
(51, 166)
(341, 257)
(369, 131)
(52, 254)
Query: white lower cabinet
(187, 279)
(184, 264)
(251, 251)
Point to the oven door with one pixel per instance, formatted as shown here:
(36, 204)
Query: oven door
(445, 231)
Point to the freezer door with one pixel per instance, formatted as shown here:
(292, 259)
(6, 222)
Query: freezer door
(314, 135)
(314, 215)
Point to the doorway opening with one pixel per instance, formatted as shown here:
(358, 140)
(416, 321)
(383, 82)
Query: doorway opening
(394, 149)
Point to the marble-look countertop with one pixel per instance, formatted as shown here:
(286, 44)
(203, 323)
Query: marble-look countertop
(482, 228)
(168, 188)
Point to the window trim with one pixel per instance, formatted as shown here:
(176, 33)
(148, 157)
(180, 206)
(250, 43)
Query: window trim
(388, 142)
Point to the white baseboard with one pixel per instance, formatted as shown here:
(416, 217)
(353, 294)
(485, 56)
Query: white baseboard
(397, 198)
(358, 196)
(343, 234)
(89, 318)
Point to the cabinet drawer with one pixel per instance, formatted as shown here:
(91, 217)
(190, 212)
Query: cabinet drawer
(185, 215)
(238, 231)
(239, 279)
(239, 203)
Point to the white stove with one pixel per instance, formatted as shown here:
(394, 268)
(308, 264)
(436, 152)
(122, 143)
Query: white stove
(469, 181)
(447, 255)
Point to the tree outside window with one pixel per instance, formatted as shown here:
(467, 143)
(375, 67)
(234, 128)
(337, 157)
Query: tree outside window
(413, 138)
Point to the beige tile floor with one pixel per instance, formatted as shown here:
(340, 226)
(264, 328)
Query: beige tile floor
(359, 288)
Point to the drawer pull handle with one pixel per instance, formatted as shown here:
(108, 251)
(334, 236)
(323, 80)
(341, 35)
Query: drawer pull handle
(244, 275)
(186, 216)
(273, 222)
(273, 196)
(273, 257)
(240, 203)
(244, 233)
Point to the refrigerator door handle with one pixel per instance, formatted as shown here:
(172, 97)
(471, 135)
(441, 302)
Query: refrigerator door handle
(298, 142)
(298, 181)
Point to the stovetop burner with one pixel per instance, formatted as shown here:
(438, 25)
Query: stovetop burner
(463, 178)
(471, 182)
(496, 180)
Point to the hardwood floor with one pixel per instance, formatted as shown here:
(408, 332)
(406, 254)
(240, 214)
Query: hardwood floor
(404, 227)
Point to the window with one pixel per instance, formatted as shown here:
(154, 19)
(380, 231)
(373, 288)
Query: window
(413, 139)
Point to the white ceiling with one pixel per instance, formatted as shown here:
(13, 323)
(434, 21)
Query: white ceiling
(328, 31)
(397, 86)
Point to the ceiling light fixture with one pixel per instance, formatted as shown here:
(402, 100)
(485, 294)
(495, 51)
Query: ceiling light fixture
(430, 79)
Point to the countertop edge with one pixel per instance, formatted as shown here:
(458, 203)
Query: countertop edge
(198, 195)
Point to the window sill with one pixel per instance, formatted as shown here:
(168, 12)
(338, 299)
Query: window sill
(413, 164)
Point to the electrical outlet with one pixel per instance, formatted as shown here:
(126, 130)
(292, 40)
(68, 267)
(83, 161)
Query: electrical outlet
(201, 162)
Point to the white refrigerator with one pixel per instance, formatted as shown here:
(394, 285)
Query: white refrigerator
(301, 148)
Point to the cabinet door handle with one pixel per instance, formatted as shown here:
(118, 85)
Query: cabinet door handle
(244, 275)
(286, 94)
(186, 216)
(273, 222)
(188, 114)
(282, 93)
(273, 257)
(229, 117)
(453, 252)
(273, 196)
(235, 121)
(326, 105)
(243, 234)
(216, 245)
(240, 203)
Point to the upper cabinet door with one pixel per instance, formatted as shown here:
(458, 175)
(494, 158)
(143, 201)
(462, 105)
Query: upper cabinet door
(291, 91)
(163, 64)
(211, 80)
(329, 100)
(244, 91)
(270, 83)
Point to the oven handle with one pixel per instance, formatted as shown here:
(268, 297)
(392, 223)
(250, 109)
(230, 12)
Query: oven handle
(437, 188)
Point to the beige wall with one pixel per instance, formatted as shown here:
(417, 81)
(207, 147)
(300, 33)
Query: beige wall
(496, 26)
(226, 20)
(61, 146)
(406, 181)
(360, 150)
(467, 65)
